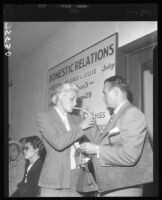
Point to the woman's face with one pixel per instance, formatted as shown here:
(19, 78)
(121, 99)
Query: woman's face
(68, 100)
(13, 151)
(29, 151)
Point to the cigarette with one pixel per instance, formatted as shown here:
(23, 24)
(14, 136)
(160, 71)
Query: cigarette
(77, 108)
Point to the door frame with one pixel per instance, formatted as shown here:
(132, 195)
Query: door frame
(123, 53)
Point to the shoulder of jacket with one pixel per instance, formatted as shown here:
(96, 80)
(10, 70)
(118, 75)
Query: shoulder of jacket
(45, 114)
(134, 111)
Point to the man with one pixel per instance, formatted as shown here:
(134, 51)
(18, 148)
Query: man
(60, 131)
(122, 155)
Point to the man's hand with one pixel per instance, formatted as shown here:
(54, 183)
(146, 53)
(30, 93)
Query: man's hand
(89, 148)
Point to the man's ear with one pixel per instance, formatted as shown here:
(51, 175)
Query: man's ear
(116, 90)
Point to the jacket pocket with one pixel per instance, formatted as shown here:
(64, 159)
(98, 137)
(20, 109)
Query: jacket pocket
(114, 137)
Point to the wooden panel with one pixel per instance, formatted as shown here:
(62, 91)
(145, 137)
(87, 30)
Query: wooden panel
(134, 79)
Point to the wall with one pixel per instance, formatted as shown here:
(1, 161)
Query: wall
(30, 79)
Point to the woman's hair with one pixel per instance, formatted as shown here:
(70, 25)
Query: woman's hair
(63, 88)
(37, 143)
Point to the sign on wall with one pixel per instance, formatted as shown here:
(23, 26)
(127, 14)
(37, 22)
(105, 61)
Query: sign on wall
(88, 70)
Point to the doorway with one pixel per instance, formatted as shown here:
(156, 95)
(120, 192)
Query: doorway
(135, 63)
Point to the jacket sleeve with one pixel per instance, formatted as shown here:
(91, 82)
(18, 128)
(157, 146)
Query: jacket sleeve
(93, 134)
(132, 137)
(90, 134)
(58, 138)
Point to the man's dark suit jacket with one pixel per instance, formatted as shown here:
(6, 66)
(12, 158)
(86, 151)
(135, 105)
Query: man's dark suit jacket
(30, 188)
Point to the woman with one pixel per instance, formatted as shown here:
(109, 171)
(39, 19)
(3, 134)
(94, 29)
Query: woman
(16, 166)
(61, 130)
(34, 152)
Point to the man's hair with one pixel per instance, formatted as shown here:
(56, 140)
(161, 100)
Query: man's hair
(118, 81)
(63, 88)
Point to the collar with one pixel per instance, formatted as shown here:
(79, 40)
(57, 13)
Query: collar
(60, 114)
(31, 164)
(118, 108)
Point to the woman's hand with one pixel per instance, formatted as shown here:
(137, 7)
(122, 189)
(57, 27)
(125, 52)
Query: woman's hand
(87, 123)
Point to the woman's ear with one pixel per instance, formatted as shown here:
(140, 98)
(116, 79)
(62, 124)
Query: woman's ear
(54, 98)
(37, 150)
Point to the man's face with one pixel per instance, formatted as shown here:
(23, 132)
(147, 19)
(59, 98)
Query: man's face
(68, 100)
(13, 151)
(109, 95)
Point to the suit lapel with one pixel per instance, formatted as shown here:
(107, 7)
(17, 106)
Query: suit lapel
(109, 126)
(72, 120)
(56, 119)
(34, 166)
